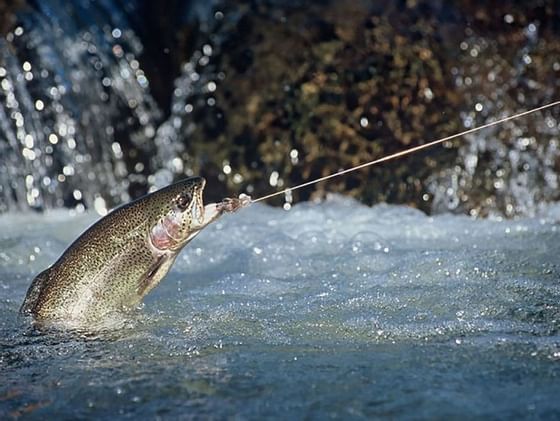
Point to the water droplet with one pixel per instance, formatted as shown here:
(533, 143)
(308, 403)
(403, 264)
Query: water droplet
(207, 50)
(117, 50)
(29, 154)
(273, 180)
(177, 165)
(68, 170)
(142, 80)
(100, 206)
(428, 94)
(117, 151)
(28, 140)
(204, 60)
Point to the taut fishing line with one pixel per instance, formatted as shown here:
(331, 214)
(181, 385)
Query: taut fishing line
(406, 151)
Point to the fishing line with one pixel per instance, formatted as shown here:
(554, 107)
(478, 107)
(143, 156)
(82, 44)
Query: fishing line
(406, 151)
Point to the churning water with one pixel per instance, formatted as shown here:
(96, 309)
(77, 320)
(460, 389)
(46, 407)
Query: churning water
(329, 310)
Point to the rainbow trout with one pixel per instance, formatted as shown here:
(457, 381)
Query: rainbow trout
(123, 256)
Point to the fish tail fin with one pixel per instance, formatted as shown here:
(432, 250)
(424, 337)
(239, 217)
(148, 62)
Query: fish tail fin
(34, 293)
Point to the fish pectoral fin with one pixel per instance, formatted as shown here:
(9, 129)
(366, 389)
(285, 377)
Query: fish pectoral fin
(155, 272)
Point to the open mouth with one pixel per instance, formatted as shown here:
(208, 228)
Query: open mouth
(197, 212)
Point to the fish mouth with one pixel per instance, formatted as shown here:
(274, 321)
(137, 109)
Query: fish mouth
(199, 182)
(197, 211)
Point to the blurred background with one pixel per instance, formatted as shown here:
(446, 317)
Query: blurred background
(102, 101)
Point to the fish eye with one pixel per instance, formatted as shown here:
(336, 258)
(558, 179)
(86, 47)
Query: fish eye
(183, 200)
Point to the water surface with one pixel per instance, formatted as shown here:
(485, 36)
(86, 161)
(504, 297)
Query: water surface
(329, 310)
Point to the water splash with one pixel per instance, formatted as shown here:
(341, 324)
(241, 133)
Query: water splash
(193, 100)
(515, 165)
(193, 90)
(72, 94)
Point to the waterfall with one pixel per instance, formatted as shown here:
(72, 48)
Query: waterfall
(73, 97)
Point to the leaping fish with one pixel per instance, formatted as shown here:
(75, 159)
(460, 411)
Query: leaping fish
(123, 256)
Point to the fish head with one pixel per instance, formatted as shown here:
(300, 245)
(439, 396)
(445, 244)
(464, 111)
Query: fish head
(181, 215)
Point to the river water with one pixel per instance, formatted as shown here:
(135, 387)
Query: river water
(332, 309)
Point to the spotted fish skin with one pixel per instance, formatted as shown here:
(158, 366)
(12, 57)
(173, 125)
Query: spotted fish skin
(120, 258)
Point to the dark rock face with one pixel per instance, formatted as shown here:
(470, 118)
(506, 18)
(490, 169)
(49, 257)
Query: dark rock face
(311, 89)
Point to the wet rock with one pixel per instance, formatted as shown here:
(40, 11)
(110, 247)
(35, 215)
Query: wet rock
(311, 89)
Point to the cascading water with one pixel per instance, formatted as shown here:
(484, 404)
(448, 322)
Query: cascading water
(79, 127)
(514, 166)
(72, 94)
(193, 88)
